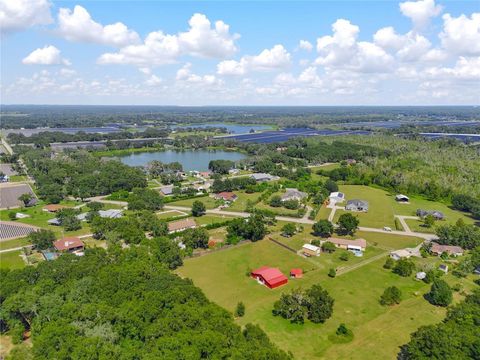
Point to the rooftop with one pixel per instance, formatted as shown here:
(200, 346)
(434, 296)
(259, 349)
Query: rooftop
(68, 243)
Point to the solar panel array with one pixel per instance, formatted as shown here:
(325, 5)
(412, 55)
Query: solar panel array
(11, 231)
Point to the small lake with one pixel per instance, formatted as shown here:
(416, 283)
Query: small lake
(190, 159)
(231, 128)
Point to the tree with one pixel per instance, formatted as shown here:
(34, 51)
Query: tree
(344, 256)
(343, 331)
(159, 228)
(465, 235)
(12, 215)
(404, 267)
(276, 201)
(289, 229)
(319, 304)
(347, 224)
(42, 239)
(332, 272)
(220, 166)
(292, 204)
(429, 221)
(68, 219)
(323, 228)
(389, 263)
(95, 205)
(240, 310)
(440, 293)
(328, 247)
(198, 208)
(391, 296)
(196, 238)
(26, 198)
(331, 185)
(145, 199)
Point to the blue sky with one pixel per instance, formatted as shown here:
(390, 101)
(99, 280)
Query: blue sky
(261, 53)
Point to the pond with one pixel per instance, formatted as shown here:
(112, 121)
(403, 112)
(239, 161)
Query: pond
(190, 159)
(231, 128)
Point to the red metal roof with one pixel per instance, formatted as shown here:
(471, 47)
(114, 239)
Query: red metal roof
(68, 243)
(227, 195)
(273, 277)
(296, 272)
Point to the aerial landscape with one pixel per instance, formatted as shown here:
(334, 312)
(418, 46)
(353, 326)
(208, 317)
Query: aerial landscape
(240, 180)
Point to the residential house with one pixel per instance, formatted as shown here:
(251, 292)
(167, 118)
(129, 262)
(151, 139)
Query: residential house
(270, 277)
(401, 254)
(262, 177)
(357, 245)
(293, 194)
(52, 208)
(336, 197)
(166, 190)
(111, 213)
(70, 244)
(357, 205)
(438, 250)
(227, 196)
(181, 225)
(435, 213)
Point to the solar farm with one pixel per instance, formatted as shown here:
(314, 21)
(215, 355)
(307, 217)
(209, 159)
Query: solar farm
(286, 134)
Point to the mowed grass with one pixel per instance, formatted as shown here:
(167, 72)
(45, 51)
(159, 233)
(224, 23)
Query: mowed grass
(378, 330)
(210, 203)
(241, 203)
(11, 260)
(10, 244)
(211, 219)
(380, 211)
(170, 214)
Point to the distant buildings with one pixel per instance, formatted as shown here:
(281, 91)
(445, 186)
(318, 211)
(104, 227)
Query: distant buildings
(111, 213)
(357, 205)
(435, 213)
(293, 194)
(296, 273)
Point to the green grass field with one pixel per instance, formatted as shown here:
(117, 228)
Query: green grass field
(210, 203)
(10, 244)
(211, 219)
(169, 214)
(241, 203)
(378, 330)
(11, 260)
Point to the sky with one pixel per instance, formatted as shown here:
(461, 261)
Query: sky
(424, 52)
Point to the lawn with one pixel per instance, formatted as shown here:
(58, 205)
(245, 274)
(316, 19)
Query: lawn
(10, 244)
(170, 213)
(417, 225)
(241, 203)
(210, 203)
(212, 219)
(381, 203)
(222, 276)
(323, 213)
(11, 260)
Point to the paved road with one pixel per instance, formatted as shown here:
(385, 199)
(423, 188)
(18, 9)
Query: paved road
(11, 249)
(101, 199)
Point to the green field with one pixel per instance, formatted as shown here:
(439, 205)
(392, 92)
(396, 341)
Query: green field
(11, 260)
(170, 214)
(10, 244)
(241, 203)
(222, 276)
(210, 203)
(211, 219)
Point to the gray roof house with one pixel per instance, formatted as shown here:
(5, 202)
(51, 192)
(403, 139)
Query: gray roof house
(357, 205)
(262, 177)
(436, 214)
(167, 190)
(111, 214)
(293, 194)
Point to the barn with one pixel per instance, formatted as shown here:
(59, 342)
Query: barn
(270, 277)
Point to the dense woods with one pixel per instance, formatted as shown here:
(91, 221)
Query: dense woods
(120, 305)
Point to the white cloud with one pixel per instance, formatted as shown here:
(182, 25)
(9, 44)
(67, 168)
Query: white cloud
(269, 59)
(78, 25)
(158, 48)
(305, 45)
(184, 74)
(153, 80)
(48, 55)
(409, 47)
(17, 15)
(461, 35)
(420, 11)
(67, 72)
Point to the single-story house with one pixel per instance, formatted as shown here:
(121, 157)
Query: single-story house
(205, 174)
(296, 273)
(444, 268)
(167, 190)
(310, 250)
(234, 171)
(270, 277)
(226, 196)
(421, 275)
(111, 213)
(181, 225)
(53, 207)
(261, 177)
(401, 254)
(336, 197)
(435, 213)
(70, 244)
(402, 198)
(293, 194)
(357, 205)
(438, 249)
(351, 161)
(357, 244)
(54, 221)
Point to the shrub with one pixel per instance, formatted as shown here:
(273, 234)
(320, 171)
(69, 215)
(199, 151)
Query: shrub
(240, 310)
(440, 293)
(389, 263)
(332, 272)
(391, 296)
(404, 267)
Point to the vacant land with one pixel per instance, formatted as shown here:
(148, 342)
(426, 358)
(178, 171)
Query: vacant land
(223, 277)
(170, 214)
(210, 203)
(10, 244)
(211, 219)
(11, 260)
(241, 203)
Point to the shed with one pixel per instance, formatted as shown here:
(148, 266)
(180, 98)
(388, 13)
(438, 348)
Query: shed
(421, 275)
(402, 198)
(310, 250)
(444, 268)
(296, 273)
(270, 277)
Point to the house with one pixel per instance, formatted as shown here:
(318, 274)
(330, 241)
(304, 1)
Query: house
(205, 174)
(357, 245)
(181, 225)
(54, 221)
(401, 254)
(438, 250)
(436, 214)
(444, 268)
(310, 250)
(262, 177)
(421, 275)
(110, 214)
(357, 205)
(202, 186)
(52, 208)
(296, 273)
(402, 198)
(270, 277)
(167, 190)
(336, 197)
(70, 244)
(293, 194)
(234, 171)
(351, 161)
(226, 196)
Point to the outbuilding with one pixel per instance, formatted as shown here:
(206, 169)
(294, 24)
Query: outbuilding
(402, 198)
(310, 250)
(296, 273)
(270, 277)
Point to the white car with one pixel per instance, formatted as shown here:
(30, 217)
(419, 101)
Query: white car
(386, 228)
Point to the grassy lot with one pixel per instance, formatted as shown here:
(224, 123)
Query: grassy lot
(416, 225)
(11, 260)
(220, 233)
(323, 213)
(211, 219)
(170, 213)
(277, 210)
(9, 244)
(222, 276)
(241, 203)
(210, 203)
